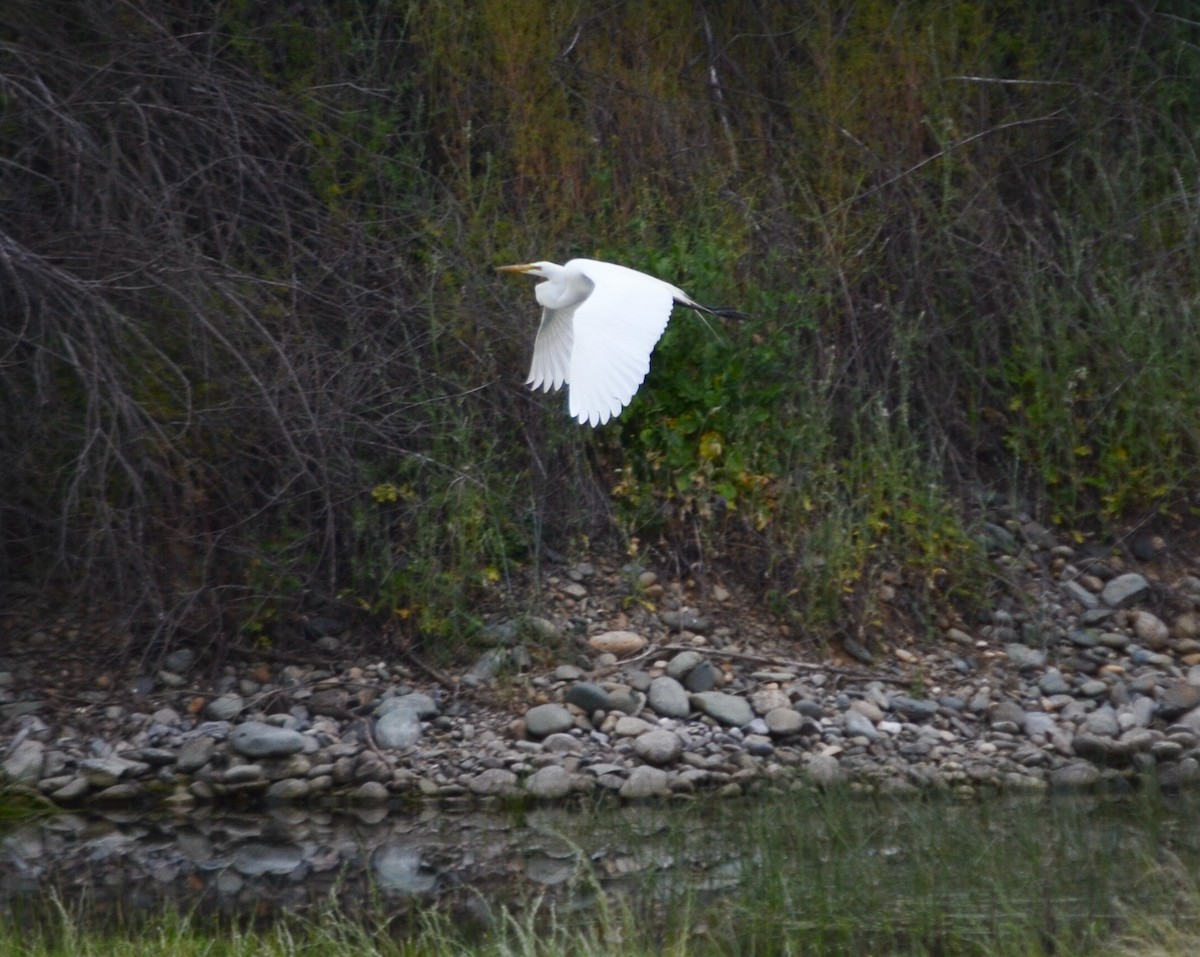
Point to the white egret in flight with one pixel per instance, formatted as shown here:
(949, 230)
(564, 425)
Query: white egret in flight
(600, 322)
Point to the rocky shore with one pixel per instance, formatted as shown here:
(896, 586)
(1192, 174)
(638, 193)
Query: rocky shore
(1086, 674)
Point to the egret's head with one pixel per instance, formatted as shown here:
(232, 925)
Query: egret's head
(542, 270)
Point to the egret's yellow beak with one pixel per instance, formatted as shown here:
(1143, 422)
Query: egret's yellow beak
(520, 267)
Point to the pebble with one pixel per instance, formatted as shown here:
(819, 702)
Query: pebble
(243, 774)
(1073, 589)
(225, 708)
(683, 664)
(784, 722)
(619, 643)
(195, 753)
(588, 697)
(1076, 775)
(1025, 658)
(494, 782)
(419, 705)
(626, 700)
(627, 726)
(658, 747)
(914, 709)
(105, 772)
(118, 794)
(868, 709)
(1053, 683)
(74, 790)
(368, 793)
(1102, 721)
(1177, 698)
(398, 729)
(179, 661)
(728, 709)
(562, 743)
(701, 678)
(859, 725)
(685, 621)
(1150, 630)
(547, 719)
(549, 783)
(1007, 716)
(257, 740)
(825, 771)
(668, 698)
(644, 782)
(1185, 772)
(23, 765)
(1124, 590)
(768, 700)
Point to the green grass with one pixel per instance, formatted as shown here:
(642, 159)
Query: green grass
(21, 804)
(622, 938)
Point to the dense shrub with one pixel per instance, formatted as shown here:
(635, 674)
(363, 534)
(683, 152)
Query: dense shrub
(256, 360)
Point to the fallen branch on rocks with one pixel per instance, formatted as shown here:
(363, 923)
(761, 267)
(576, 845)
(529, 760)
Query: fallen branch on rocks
(771, 660)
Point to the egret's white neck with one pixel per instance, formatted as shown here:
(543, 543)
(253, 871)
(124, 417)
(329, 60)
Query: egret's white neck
(564, 287)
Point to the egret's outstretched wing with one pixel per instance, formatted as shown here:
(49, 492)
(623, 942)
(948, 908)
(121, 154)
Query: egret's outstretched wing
(551, 365)
(615, 330)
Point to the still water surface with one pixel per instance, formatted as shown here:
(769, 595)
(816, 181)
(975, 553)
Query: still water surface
(808, 862)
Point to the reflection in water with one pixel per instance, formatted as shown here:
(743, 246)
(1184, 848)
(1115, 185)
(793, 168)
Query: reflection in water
(288, 860)
(799, 860)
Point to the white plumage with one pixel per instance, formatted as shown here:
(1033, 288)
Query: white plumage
(600, 322)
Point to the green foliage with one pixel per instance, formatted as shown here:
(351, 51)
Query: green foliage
(1100, 376)
(434, 543)
(259, 351)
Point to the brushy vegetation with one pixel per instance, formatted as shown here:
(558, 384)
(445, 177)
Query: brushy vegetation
(811, 875)
(255, 358)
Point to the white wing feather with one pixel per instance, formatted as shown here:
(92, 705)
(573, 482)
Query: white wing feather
(551, 365)
(614, 331)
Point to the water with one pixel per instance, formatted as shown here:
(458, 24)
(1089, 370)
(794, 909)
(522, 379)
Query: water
(288, 861)
(843, 869)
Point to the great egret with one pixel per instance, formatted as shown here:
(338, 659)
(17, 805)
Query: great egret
(600, 322)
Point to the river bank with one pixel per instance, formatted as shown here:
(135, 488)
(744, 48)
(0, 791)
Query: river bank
(1085, 673)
